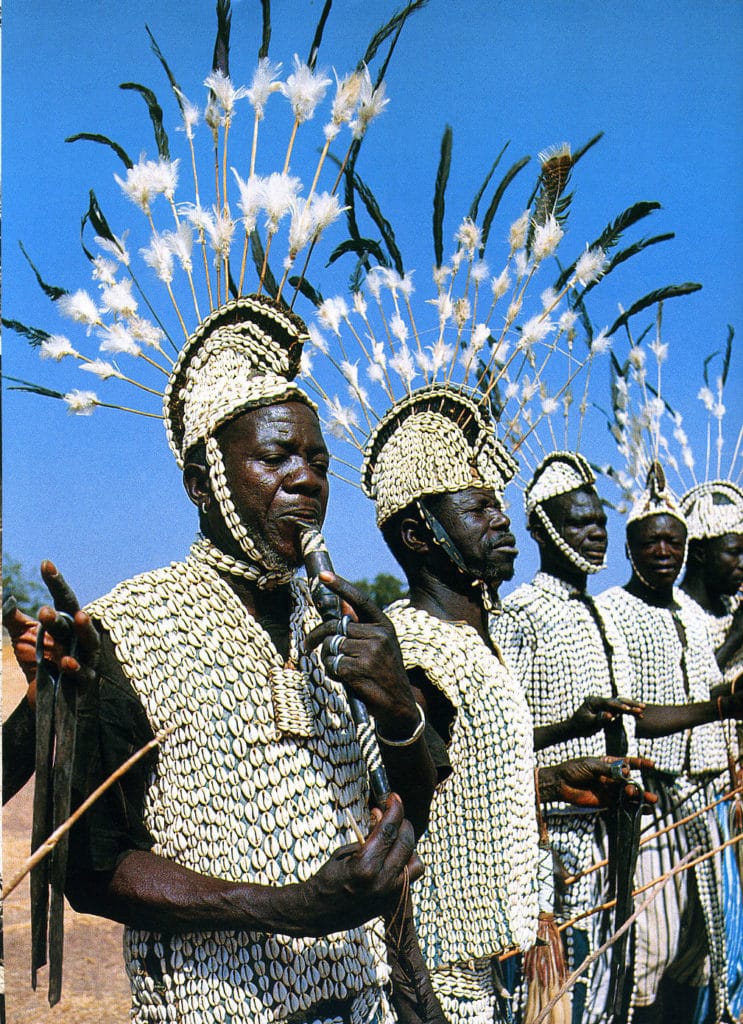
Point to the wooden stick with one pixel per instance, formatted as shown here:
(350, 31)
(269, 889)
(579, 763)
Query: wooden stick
(636, 892)
(660, 882)
(654, 835)
(48, 845)
(354, 825)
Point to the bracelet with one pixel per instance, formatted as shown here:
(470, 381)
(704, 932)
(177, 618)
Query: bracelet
(417, 733)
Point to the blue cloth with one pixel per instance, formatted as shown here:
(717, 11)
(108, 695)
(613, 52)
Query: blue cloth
(733, 905)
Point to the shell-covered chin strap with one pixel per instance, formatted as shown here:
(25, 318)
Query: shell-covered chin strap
(254, 569)
(447, 545)
(573, 556)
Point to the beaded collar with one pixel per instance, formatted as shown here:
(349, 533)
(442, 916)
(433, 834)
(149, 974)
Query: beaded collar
(205, 550)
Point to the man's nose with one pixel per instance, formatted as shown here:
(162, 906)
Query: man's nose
(499, 519)
(303, 476)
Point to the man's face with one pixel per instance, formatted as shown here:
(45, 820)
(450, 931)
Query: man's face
(657, 546)
(479, 528)
(723, 563)
(579, 518)
(277, 473)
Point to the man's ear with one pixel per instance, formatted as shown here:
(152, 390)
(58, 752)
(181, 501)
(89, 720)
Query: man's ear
(196, 484)
(696, 555)
(412, 534)
(538, 533)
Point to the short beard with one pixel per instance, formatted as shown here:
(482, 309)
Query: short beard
(271, 559)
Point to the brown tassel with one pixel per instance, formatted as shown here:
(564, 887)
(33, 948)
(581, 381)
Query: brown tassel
(545, 971)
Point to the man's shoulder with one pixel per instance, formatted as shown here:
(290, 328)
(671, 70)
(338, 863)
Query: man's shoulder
(521, 599)
(145, 588)
(612, 597)
(538, 604)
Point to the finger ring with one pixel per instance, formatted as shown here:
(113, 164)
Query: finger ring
(334, 664)
(616, 770)
(336, 643)
(343, 625)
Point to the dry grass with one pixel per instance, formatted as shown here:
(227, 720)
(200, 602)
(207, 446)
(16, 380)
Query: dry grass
(94, 989)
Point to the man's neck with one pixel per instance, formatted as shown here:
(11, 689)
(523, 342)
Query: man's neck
(449, 602)
(270, 609)
(657, 598)
(711, 601)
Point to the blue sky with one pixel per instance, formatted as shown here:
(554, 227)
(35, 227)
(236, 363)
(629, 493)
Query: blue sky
(102, 496)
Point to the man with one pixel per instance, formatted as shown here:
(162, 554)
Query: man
(711, 587)
(714, 567)
(673, 665)
(436, 475)
(574, 670)
(227, 856)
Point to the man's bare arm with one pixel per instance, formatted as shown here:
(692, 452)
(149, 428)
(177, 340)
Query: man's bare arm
(664, 719)
(357, 883)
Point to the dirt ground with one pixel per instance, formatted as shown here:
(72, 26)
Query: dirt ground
(94, 988)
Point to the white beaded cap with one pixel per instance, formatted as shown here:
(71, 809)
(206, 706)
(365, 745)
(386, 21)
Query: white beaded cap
(436, 440)
(713, 509)
(245, 354)
(657, 498)
(558, 473)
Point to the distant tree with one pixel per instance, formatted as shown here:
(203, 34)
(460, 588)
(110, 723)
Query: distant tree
(383, 589)
(29, 594)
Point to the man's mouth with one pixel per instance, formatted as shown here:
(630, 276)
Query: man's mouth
(305, 516)
(506, 543)
(594, 554)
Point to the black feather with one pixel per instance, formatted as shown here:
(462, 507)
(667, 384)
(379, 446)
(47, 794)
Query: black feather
(120, 152)
(156, 116)
(475, 206)
(705, 365)
(442, 177)
(53, 291)
(303, 285)
(265, 29)
(35, 335)
(670, 291)
(33, 389)
(221, 55)
(728, 354)
(257, 251)
(495, 201)
(373, 209)
(98, 222)
(171, 77)
(360, 246)
(317, 38)
(611, 234)
(395, 24)
(654, 392)
(582, 150)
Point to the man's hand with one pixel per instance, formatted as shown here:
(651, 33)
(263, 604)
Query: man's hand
(368, 660)
(59, 633)
(362, 881)
(593, 781)
(596, 712)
